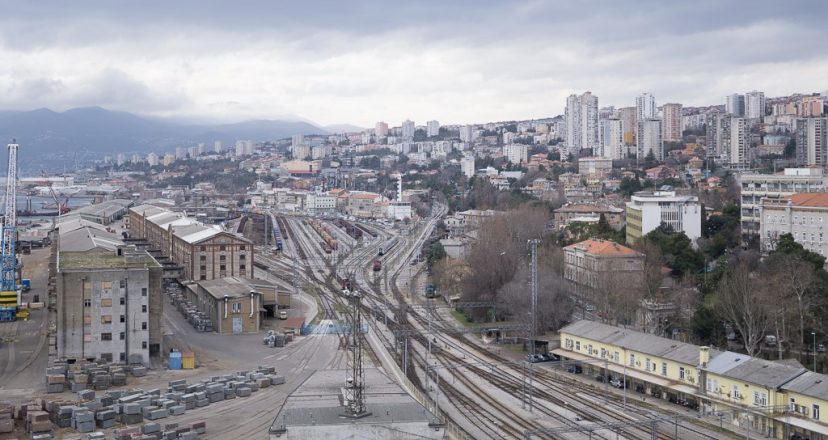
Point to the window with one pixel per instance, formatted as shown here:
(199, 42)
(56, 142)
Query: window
(242, 267)
(735, 393)
(237, 307)
(223, 267)
(632, 359)
(122, 301)
(203, 277)
(203, 268)
(87, 303)
(143, 326)
(106, 336)
(143, 291)
(242, 257)
(578, 345)
(615, 356)
(568, 343)
(203, 258)
(681, 373)
(222, 257)
(603, 353)
(647, 365)
(760, 399)
(144, 308)
(221, 248)
(589, 349)
(106, 302)
(203, 248)
(122, 336)
(815, 411)
(123, 318)
(122, 357)
(144, 345)
(106, 319)
(664, 368)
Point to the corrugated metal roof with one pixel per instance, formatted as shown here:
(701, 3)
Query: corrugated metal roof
(810, 384)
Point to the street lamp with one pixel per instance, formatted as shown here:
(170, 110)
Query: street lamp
(813, 334)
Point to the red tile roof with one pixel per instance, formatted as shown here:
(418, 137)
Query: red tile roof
(818, 199)
(597, 246)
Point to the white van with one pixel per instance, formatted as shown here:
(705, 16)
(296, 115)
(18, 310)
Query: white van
(283, 314)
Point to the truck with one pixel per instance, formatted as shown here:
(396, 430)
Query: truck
(377, 265)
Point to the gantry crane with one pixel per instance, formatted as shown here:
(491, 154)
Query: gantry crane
(9, 294)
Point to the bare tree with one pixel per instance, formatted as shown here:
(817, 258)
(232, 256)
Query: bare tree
(554, 306)
(797, 283)
(746, 301)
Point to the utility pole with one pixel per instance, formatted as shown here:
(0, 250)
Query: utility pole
(533, 244)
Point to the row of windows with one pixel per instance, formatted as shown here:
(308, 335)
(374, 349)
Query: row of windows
(121, 336)
(223, 257)
(107, 302)
(221, 248)
(222, 267)
(649, 364)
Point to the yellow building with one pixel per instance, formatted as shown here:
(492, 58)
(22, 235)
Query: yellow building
(776, 399)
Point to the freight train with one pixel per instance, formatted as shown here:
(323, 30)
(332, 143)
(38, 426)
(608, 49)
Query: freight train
(324, 231)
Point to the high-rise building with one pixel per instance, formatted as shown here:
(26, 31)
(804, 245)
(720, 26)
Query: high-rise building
(300, 152)
(811, 106)
(613, 140)
(671, 122)
(811, 146)
(645, 106)
(467, 165)
(152, 159)
(297, 139)
(582, 130)
(169, 158)
(648, 139)
(630, 122)
(136, 158)
(516, 153)
(755, 105)
(381, 129)
(432, 128)
(735, 104)
(737, 143)
(467, 133)
(244, 147)
(716, 124)
(180, 152)
(218, 147)
(408, 129)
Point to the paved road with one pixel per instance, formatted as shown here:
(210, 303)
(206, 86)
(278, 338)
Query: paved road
(23, 348)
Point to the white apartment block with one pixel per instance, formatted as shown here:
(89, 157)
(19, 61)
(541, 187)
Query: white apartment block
(754, 187)
(812, 141)
(805, 216)
(381, 129)
(754, 105)
(152, 159)
(467, 165)
(218, 147)
(738, 143)
(671, 122)
(297, 139)
(648, 139)
(432, 128)
(647, 210)
(301, 151)
(320, 202)
(467, 133)
(408, 129)
(645, 107)
(516, 153)
(613, 146)
(581, 116)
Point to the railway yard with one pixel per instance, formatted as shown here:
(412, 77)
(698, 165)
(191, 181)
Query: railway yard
(478, 388)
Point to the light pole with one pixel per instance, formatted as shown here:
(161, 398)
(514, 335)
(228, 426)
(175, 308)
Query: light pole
(813, 334)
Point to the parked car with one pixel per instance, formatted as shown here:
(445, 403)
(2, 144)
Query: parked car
(600, 378)
(618, 382)
(574, 369)
(533, 358)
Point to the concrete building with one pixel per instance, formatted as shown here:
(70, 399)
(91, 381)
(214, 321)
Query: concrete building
(612, 139)
(595, 265)
(218, 147)
(581, 116)
(594, 166)
(467, 165)
(204, 252)
(754, 187)
(811, 107)
(671, 122)
(467, 133)
(516, 153)
(320, 202)
(381, 129)
(152, 159)
(735, 105)
(297, 139)
(234, 304)
(804, 216)
(755, 105)
(408, 129)
(109, 297)
(648, 139)
(737, 143)
(812, 141)
(717, 124)
(168, 159)
(629, 122)
(432, 128)
(589, 213)
(300, 151)
(648, 210)
(645, 107)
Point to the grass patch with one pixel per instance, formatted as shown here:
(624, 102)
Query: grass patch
(461, 318)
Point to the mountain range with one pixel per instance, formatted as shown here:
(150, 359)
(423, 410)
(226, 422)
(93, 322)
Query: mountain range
(44, 132)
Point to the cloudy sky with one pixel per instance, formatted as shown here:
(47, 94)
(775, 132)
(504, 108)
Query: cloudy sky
(360, 61)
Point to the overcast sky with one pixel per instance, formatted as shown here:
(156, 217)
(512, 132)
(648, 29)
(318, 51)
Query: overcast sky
(360, 61)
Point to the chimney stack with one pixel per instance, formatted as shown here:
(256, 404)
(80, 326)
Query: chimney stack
(704, 356)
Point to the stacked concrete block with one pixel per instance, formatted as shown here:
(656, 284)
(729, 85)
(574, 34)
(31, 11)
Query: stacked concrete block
(6, 417)
(131, 413)
(276, 379)
(177, 410)
(105, 418)
(95, 436)
(189, 400)
(78, 382)
(150, 428)
(37, 422)
(41, 436)
(83, 420)
(62, 417)
(101, 380)
(55, 383)
(139, 371)
(243, 391)
(215, 392)
(119, 379)
(85, 395)
(199, 427)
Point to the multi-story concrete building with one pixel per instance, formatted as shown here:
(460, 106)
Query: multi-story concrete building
(589, 213)
(735, 105)
(109, 297)
(594, 166)
(648, 210)
(805, 216)
(218, 147)
(612, 139)
(717, 124)
(812, 141)
(736, 143)
(320, 202)
(152, 159)
(467, 165)
(754, 105)
(233, 303)
(432, 128)
(467, 133)
(381, 129)
(204, 252)
(581, 116)
(516, 153)
(645, 107)
(754, 187)
(595, 265)
(407, 130)
(301, 151)
(671, 122)
(811, 107)
(648, 139)
(297, 139)
(629, 123)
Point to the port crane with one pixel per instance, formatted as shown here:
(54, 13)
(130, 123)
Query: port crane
(9, 293)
